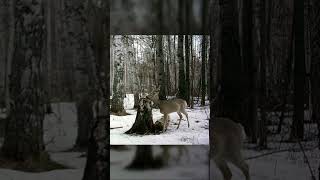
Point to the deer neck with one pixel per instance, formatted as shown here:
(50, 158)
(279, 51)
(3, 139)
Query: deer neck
(155, 100)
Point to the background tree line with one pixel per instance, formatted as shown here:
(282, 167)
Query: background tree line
(265, 55)
(177, 64)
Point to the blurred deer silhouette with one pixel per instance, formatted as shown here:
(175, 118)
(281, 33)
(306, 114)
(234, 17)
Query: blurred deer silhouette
(228, 137)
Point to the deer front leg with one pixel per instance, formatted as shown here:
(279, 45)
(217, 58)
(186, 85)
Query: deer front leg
(222, 165)
(186, 114)
(241, 164)
(180, 115)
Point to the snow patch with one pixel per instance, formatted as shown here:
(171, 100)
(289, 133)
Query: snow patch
(128, 101)
(196, 134)
(72, 160)
(183, 162)
(60, 127)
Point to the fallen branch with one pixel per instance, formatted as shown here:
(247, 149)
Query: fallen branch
(266, 154)
(274, 152)
(116, 127)
(307, 160)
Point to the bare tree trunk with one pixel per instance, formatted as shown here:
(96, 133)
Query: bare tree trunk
(182, 78)
(4, 43)
(297, 131)
(211, 87)
(51, 45)
(192, 73)
(169, 61)
(118, 84)
(10, 52)
(315, 68)
(182, 83)
(203, 70)
(175, 65)
(84, 114)
(188, 10)
(143, 123)
(262, 15)
(24, 127)
(162, 75)
(229, 96)
(250, 69)
(187, 53)
(97, 165)
(205, 4)
(287, 78)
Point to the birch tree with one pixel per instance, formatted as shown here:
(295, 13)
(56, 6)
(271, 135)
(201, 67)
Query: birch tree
(118, 83)
(24, 133)
(187, 50)
(162, 75)
(182, 77)
(203, 70)
(98, 149)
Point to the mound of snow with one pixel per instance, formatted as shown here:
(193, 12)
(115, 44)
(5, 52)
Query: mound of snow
(128, 101)
(60, 127)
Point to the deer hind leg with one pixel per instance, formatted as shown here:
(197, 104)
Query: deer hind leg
(168, 121)
(241, 164)
(186, 114)
(222, 165)
(180, 115)
(165, 122)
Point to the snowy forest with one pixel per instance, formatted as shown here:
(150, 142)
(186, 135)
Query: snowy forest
(178, 66)
(159, 89)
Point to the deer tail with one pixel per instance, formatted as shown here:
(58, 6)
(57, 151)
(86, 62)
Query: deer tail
(243, 132)
(185, 104)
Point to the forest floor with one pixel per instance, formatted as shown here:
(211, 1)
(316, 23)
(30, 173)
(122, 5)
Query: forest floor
(196, 134)
(184, 162)
(189, 163)
(60, 132)
(193, 163)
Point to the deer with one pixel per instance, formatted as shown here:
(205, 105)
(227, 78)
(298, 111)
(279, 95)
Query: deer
(228, 138)
(169, 106)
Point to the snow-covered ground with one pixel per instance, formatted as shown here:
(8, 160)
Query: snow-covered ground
(278, 166)
(191, 163)
(60, 133)
(194, 164)
(128, 101)
(60, 127)
(71, 160)
(197, 133)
